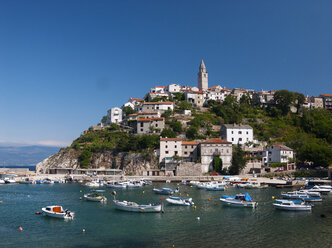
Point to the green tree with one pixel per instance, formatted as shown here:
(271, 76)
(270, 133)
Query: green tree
(299, 100)
(238, 160)
(169, 133)
(84, 159)
(178, 96)
(217, 164)
(283, 100)
(176, 126)
(104, 119)
(183, 105)
(192, 132)
(128, 110)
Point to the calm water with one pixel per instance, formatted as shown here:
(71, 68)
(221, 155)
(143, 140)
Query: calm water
(106, 227)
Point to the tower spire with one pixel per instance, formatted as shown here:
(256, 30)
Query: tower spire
(203, 83)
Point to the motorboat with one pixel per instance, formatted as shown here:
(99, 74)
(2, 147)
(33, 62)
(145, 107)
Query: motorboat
(2, 181)
(92, 184)
(239, 200)
(9, 180)
(25, 181)
(194, 183)
(163, 191)
(215, 188)
(319, 189)
(255, 185)
(292, 206)
(47, 181)
(183, 201)
(325, 186)
(134, 207)
(95, 197)
(301, 195)
(116, 185)
(58, 212)
(310, 193)
(134, 184)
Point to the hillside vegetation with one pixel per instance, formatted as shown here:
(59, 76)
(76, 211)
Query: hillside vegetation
(308, 132)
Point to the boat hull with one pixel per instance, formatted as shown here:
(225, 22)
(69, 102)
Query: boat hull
(235, 203)
(58, 215)
(138, 209)
(292, 208)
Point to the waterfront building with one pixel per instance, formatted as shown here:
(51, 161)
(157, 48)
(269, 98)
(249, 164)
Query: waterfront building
(203, 82)
(281, 154)
(189, 151)
(114, 115)
(169, 147)
(211, 148)
(316, 102)
(150, 125)
(237, 134)
(327, 101)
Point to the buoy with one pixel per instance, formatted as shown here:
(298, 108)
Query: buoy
(38, 212)
(20, 228)
(179, 194)
(195, 207)
(0, 202)
(187, 195)
(80, 198)
(198, 218)
(81, 191)
(83, 230)
(210, 199)
(272, 197)
(143, 192)
(215, 204)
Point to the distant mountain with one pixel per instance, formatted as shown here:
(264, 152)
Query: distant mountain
(24, 155)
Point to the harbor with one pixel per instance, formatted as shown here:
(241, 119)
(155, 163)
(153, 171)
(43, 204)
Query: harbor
(208, 224)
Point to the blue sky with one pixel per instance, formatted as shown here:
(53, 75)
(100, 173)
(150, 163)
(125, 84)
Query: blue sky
(64, 63)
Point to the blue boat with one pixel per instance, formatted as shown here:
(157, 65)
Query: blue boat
(163, 191)
(239, 200)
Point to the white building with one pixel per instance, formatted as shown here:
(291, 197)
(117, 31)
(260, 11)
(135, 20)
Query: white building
(170, 147)
(114, 115)
(280, 154)
(160, 107)
(203, 82)
(173, 88)
(215, 148)
(194, 97)
(217, 93)
(237, 134)
(133, 102)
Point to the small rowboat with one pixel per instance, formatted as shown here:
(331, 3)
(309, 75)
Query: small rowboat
(163, 191)
(183, 201)
(134, 207)
(94, 197)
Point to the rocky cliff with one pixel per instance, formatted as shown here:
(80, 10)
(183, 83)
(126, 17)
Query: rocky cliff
(130, 163)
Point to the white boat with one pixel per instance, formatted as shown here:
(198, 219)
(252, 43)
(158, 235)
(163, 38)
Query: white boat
(95, 197)
(255, 185)
(305, 196)
(8, 180)
(320, 190)
(312, 194)
(58, 212)
(47, 181)
(239, 200)
(183, 201)
(92, 184)
(215, 188)
(2, 181)
(116, 185)
(134, 185)
(134, 207)
(194, 183)
(291, 206)
(325, 186)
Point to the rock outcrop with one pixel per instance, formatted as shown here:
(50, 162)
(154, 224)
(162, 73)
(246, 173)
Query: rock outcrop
(130, 163)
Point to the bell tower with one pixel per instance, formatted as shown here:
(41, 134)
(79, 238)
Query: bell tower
(203, 83)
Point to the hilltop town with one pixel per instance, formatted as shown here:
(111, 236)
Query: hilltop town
(189, 130)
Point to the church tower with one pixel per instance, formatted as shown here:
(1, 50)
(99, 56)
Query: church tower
(203, 83)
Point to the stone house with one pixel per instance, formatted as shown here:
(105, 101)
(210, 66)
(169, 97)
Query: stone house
(150, 125)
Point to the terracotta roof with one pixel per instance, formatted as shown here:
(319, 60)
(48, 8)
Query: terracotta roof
(170, 139)
(136, 99)
(158, 103)
(189, 143)
(198, 92)
(147, 113)
(326, 95)
(133, 114)
(160, 86)
(151, 119)
(215, 141)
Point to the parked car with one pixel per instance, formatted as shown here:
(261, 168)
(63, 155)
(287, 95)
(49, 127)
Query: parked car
(214, 174)
(280, 170)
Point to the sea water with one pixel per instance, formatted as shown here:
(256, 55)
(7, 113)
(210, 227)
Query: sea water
(178, 226)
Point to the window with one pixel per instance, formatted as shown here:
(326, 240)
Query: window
(175, 153)
(240, 139)
(166, 152)
(166, 146)
(141, 129)
(175, 146)
(157, 126)
(185, 152)
(227, 151)
(247, 132)
(232, 139)
(232, 132)
(216, 149)
(247, 139)
(240, 132)
(185, 147)
(191, 153)
(141, 124)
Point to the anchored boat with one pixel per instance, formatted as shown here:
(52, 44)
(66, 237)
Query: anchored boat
(95, 197)
(134, 207)
(163, 191)
(292, 206)
(239, 200)
(58, 212)
(183, 201)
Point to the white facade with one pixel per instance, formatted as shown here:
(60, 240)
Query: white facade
(174, 88)
(114, 115)
(237, 134)
(170, 147)
(280, 154)
(160, 107)
(203, 82)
